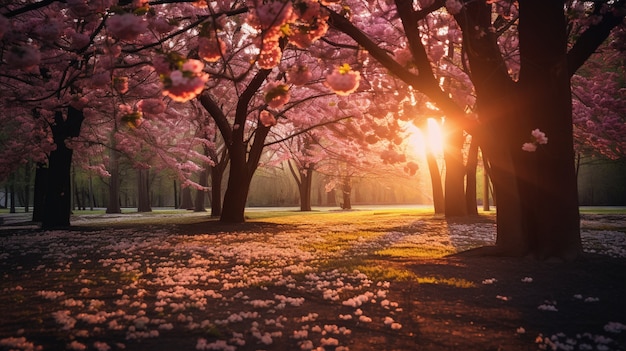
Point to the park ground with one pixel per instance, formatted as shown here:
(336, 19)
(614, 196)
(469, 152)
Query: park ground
(363, 280)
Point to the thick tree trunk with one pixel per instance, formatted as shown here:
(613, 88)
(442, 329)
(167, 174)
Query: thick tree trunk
(58, 195)
(346, 192)
(435, 181)
(186, 202)
(470, 179)
(143, 190)
(549, 191)
(27, 179)
(41, 178)
(201, 194)
(114, 182)
(455, 171)
(306, 176)
(217, 175)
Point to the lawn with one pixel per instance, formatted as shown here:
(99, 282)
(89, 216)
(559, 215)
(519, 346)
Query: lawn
(325, 280)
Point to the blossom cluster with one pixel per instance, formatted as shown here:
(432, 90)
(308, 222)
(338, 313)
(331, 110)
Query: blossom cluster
(183, 79)
(539, 138)
(343, 80)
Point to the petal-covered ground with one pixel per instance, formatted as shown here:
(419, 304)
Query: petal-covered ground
(360, 280)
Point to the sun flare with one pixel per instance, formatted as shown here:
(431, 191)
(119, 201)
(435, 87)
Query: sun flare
(430, 140)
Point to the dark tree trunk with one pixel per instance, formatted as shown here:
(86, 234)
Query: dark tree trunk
(346, 192)
(175, 195)
(186, 202)
(143, 190)
(12, 192)
(455, 205)
(435, 181)
(27, 180)
(114, 182)
(305, 188)
(216, 191)
(58, 195)
(331, 198)
(549, 191)
(470, 179)
(243, 163)
(201, 194)
(304, 180)
(41, 178)
(486, 187)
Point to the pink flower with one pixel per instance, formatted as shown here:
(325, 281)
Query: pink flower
(151, 106)
(79, 41)
(211, 49)
(343, 81)
(276, 94)
(23, 57)
(267, 119)
(120, 84)
(101, 79)
(454, 6)
(403, 56)
(185, 83)
(160, 25)
(299, 75)
(539, 136)
(272, 13)
(127, 26)
(529, 147)
(270, 55)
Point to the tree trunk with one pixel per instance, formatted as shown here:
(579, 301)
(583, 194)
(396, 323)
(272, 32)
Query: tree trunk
(486, 187)
(41, 178)
(470, 179)
(114, 182)
(58, 195)
(216, 191)
(305, 188)
(455, 205)
(346, 191)
(186, 201)
(175, 194)
(27, 179)
(549, 191)
(143, 190)
(435, 181)
(201, 194)
(12, 192)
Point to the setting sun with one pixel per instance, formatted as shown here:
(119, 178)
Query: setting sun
(429, 140)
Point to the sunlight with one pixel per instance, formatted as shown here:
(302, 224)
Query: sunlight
(429, 140)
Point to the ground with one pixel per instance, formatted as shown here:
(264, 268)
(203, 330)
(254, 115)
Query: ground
(358, 280)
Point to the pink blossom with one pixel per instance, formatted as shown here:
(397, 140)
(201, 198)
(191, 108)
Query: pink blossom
(159, 25)
(272, 13)
(529, 147)
(539, 136)
(23, 57)
(403, 56)
(454, 6)
(276, 94)
(270, 56)
(267, 118)
(185, 84)
(101, 79)
(48, 30)
(127, 26)
(120, 84)
(151, 106)
(343, 81)
(211, 49)
(79, 41)
(299, 75)
(80, 8)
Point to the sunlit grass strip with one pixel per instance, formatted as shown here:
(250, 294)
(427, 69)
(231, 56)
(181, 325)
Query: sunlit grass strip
(452, 282)
(421, 252)
(337, 241)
